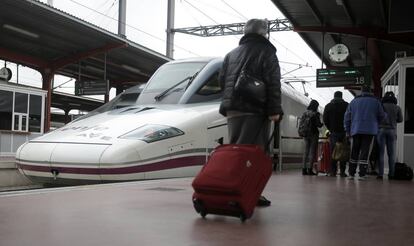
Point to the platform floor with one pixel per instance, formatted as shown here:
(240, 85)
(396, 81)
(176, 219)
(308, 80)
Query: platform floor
(306, 210)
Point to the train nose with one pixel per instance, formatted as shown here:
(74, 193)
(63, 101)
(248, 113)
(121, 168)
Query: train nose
(119, 162)
(61, 163)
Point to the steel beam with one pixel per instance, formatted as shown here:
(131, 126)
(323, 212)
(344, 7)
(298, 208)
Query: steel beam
(232, 29)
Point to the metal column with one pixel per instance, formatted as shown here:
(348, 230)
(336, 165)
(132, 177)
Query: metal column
(122, 18)
(170, 26)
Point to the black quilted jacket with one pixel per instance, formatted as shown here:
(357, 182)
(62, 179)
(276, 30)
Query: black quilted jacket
(258, 56)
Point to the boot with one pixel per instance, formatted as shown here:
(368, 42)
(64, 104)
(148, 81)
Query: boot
(304, 171)
(310, 172)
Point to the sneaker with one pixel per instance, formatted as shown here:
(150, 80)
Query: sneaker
(343, 175)
(263, 202)
(362, 178)
(379, 177)
(351, 177)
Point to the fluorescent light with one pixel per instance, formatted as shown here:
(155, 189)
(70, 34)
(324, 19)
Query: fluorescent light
(132, 69)
(21, 31)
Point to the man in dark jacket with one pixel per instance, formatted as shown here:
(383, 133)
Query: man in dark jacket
(248, 122)
(361, 121)
(333, 117)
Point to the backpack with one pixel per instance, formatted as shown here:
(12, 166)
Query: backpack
(403, 171)
(304, 128)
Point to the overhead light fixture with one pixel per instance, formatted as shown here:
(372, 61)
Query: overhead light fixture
(339, 2)
(132, 69)
(21, 31)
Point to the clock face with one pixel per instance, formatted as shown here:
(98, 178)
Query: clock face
(338, 53)
(5, 74)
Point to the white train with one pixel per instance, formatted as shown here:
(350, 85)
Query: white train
(166, 131)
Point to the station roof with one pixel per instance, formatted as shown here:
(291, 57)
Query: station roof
(68, 101)
(373, 30)
(39, 36)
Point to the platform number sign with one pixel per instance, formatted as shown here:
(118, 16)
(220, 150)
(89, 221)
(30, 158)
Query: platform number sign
(343, 76)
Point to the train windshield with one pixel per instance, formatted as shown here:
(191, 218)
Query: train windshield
(171, 81)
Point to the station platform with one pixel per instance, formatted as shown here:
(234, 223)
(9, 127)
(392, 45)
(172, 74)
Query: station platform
(305, 210)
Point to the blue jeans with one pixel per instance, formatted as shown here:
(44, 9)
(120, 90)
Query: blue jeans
(386, 137)
(311, 146)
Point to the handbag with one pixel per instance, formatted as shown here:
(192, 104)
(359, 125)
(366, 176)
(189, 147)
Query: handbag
(250, 89)
(341, 151)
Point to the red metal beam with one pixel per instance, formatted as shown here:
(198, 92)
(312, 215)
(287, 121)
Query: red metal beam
(377, 65)
(47, 77)
(57, 64)
(404, 38)
(26, 60)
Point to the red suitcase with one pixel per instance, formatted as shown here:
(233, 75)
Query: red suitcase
(324, 157)
(232, 181)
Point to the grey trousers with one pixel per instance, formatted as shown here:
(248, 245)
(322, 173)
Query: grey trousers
(249, 129)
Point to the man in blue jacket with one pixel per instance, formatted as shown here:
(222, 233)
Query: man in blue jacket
(361, 121)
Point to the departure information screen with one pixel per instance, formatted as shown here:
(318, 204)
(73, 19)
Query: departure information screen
(343, 76)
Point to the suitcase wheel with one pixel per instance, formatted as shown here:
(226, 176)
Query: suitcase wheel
(242, 217)
(199, 208)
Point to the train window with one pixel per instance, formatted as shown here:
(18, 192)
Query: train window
(409, 101)
(125, 100)
(6, 110)
(35, 113)
(171, 74)
(211, 90)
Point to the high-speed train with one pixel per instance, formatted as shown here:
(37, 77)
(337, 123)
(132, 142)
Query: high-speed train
(166, 130)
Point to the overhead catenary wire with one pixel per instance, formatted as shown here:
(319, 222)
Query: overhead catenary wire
(234, 10)
(133, 27)
(220, 10)
(201, 12)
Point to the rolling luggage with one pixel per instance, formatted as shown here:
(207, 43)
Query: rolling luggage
(324, 157)
(232, 181)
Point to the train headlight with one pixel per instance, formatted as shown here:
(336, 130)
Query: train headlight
(153, 133)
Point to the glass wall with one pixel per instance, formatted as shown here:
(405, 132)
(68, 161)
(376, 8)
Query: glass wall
(6, 109)
(409, 101)
(35, 113)
(20, 111)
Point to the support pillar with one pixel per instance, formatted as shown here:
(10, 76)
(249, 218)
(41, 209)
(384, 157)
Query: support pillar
(119, 89)
(170, 25)
(377, 66)
(47, 77)
(67, 118)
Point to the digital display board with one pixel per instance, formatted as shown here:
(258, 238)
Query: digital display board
(97, 87)
(343, 76)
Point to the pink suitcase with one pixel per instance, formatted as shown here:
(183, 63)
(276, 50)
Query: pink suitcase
(232, 181)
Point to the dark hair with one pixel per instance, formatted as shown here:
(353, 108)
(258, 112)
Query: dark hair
(389, 97)
(313, 105)
(338, 94)
(366, 88)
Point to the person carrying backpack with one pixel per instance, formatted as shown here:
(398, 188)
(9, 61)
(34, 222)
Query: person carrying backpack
(308, 129)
